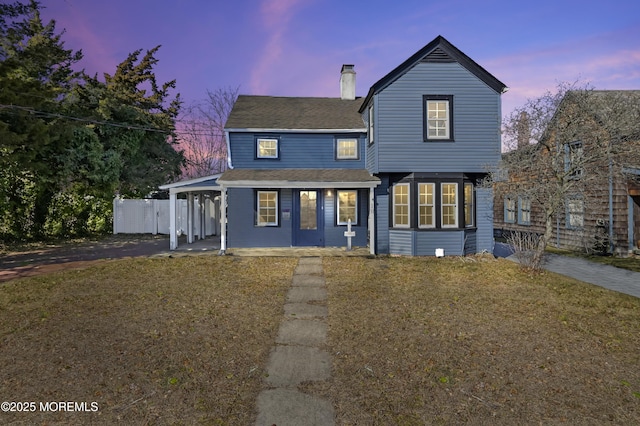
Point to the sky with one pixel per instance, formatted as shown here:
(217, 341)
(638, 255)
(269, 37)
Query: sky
(297, 47)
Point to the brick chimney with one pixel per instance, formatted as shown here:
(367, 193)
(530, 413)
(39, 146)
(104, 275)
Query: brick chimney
(347, 83)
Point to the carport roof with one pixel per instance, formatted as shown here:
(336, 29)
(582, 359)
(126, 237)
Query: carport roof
(206, 183)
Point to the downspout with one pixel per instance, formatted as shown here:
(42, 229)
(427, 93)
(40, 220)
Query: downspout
(226, 137)
(611, 245)
(372, 223)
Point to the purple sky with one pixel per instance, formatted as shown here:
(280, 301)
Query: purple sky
(296, 47)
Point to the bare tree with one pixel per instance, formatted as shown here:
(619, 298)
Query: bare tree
(202, 133)
(566, 150)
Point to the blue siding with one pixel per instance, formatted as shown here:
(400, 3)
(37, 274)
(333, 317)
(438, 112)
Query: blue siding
(399, 127)
(401, 242)
(334, 234)
(470, 241)
(382, 224)
(242, 231)
(451, 241)
(484, 220)
(295, 150)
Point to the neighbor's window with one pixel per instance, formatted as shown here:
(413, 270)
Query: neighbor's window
(267, 208)
(267, 148)
(347, 207)
(524, 211)
(426, 205)
(510, 210)
(575, 213)
(468, 205)
(438, 119)
(449, 205)
(401, 205)
(347, 149)
(574, 153)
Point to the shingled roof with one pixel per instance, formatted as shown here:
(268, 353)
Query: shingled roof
(284, 113)
(320, 178)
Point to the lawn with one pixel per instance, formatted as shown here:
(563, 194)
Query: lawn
(151, 341)
(413, 341)
(476, 340)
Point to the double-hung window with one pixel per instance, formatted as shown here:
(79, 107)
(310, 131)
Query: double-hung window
(401, 205)
(510, 209)
(468, 205)
(438, 118)
(426, 206)
(575, 213)
(347, 207)
(267, 208)
(449, 205)
(574, 153)
(267, 148)
(524, 211)
(347, 149)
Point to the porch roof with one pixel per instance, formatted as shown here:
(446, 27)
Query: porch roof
(205, 183)
(298, 178)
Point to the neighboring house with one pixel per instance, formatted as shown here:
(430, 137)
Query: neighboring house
(597, 174)
(403, 164)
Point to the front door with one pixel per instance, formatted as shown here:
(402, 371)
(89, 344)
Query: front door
(308, 223)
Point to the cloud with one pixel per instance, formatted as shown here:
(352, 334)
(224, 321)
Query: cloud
(275, 16)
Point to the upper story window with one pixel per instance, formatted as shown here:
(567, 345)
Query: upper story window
(347, 149)
(438, 117)
(267, 148)
(573, 159)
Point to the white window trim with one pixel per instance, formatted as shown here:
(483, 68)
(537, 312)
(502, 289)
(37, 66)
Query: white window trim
(447, 119)
(371, 125)
(432, 205)
(354, 221)
(355, 155)
(398, 185)
(471, 203)
(277, 142)
(265, 224)
(443, 205)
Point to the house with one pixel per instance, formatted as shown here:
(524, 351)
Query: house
(582, 183)
(401, 167)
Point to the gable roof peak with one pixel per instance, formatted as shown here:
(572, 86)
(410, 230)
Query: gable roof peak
(438, 50)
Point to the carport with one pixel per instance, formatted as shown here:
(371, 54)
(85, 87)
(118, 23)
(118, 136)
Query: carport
(196, 190)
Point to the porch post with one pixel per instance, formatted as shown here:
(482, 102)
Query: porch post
(173, 236)
(190, 218)
(372, 223)
(223, 220)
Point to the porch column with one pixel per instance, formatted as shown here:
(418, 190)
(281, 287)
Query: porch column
(203, 229)
(223, 220)
(173, 233)
(372, 223)
(190, 218)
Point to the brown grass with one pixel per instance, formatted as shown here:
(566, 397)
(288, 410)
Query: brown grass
(159, 341)
(413, 341)
(475, 340)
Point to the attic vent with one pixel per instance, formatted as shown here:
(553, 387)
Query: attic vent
(438, 55)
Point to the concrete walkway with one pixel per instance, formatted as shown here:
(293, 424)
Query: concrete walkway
(610, 277)
(299, 354)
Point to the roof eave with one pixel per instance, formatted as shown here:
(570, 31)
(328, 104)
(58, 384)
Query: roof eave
(276, 130)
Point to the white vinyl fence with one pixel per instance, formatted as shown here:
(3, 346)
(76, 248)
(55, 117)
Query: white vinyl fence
(152, 216)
